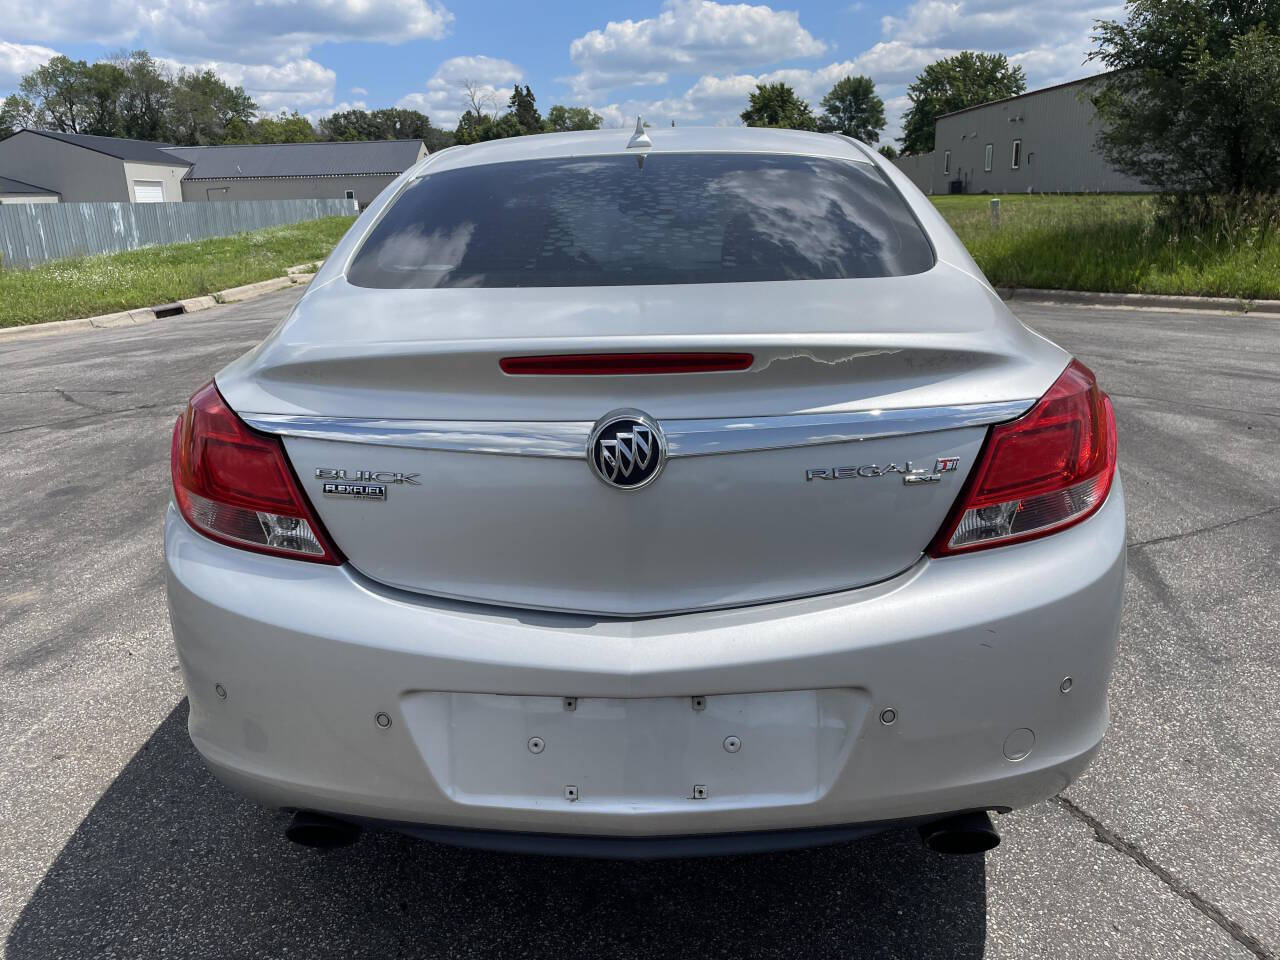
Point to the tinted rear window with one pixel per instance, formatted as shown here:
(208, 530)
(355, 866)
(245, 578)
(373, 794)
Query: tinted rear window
(675, 218)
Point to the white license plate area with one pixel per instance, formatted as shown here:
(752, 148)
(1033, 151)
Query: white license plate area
(642, 753)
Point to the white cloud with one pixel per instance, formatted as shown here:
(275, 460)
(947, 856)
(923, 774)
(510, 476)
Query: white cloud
(109, 22)
(688, 36)
(266, 31)
(1050, 42)
(720, 99)
(296, 85)
(359, 91)
(17, 59)
(1006, 25)
(1050, 45)
(445, 97)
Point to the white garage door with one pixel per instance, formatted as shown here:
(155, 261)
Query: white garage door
(148, 191)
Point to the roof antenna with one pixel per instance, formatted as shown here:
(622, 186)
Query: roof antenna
(639, 138)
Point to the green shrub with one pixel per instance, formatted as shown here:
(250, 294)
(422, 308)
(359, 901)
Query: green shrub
(1216, 246)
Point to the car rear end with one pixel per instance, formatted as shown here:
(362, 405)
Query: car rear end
(868, 570)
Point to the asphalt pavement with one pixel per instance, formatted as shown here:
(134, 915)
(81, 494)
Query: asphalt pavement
(115, 841)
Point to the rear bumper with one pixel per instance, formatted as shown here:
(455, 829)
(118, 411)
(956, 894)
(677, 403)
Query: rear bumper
(966, 650)
(642, 848)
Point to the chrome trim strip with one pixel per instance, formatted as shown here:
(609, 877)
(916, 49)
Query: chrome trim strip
(685, 438)
(698, 438)
(516, 438)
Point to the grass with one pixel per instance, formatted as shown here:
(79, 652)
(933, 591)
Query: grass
(90, 286)
(1114, 243)
(1102, 243)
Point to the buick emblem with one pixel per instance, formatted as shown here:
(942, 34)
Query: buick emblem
(626, 449)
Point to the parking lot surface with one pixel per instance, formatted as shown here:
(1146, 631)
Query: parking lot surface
(117, 843)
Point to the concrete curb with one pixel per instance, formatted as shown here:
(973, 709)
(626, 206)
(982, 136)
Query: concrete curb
(1143, 301)
(196, 304)
(251, 290)
(300, 274)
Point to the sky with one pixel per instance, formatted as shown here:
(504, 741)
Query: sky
(687, 61)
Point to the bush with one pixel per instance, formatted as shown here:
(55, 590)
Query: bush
(1240, 220)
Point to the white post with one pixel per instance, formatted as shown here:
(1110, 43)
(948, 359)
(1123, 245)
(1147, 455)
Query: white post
(995, 213)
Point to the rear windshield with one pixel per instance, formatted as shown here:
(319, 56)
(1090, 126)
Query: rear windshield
(630, 220)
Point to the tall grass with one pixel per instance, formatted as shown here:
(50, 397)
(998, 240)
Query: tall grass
(142, 278)
(1206, 246)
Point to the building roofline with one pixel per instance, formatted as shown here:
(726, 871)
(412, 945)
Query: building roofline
(113, 156)
(299, 176)
(306, 143)
(1029, 93)
(34, 188)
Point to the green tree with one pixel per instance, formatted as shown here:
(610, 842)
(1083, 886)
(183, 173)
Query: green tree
(437, 139)
(469, 127)
(1195, 102)
(965, 80)
(853, 108)
(203, 108)
(104, 86)
(473, 128)
(390, 124)
(888, 151)
(561, 119)
(59, 95)
(776, 105)
(145, 97)
(284, 128)
(524, 107)
(73, 96)
(15, 113)
(394, 123)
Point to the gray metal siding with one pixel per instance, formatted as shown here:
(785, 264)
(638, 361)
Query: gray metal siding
(31, 234)
(301, 159)
(1058, 128)
(76, 173)
(919, 169)
(277, 188)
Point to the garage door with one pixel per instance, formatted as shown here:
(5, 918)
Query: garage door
(148, 191)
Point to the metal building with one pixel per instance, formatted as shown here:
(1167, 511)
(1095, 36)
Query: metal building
(45, 166)
(1040, 142)
(15, 191)
(354, 171)
(81, 168)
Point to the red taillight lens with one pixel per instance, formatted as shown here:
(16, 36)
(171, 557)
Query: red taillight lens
(235, 486)
(1048, 469)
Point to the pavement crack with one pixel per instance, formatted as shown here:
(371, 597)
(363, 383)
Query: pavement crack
(27, 393)
(1209, 529)
(78, 403)
(95, 414)
(1103, 834)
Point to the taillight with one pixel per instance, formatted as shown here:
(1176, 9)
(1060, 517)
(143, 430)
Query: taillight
(1049, 469)
(235, 486)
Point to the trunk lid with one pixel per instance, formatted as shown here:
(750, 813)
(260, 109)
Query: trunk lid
(828, 464)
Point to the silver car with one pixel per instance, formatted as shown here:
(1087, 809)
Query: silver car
(676, 493)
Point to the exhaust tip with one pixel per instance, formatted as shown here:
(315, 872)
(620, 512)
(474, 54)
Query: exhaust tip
(965, 833)
(316, 830)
